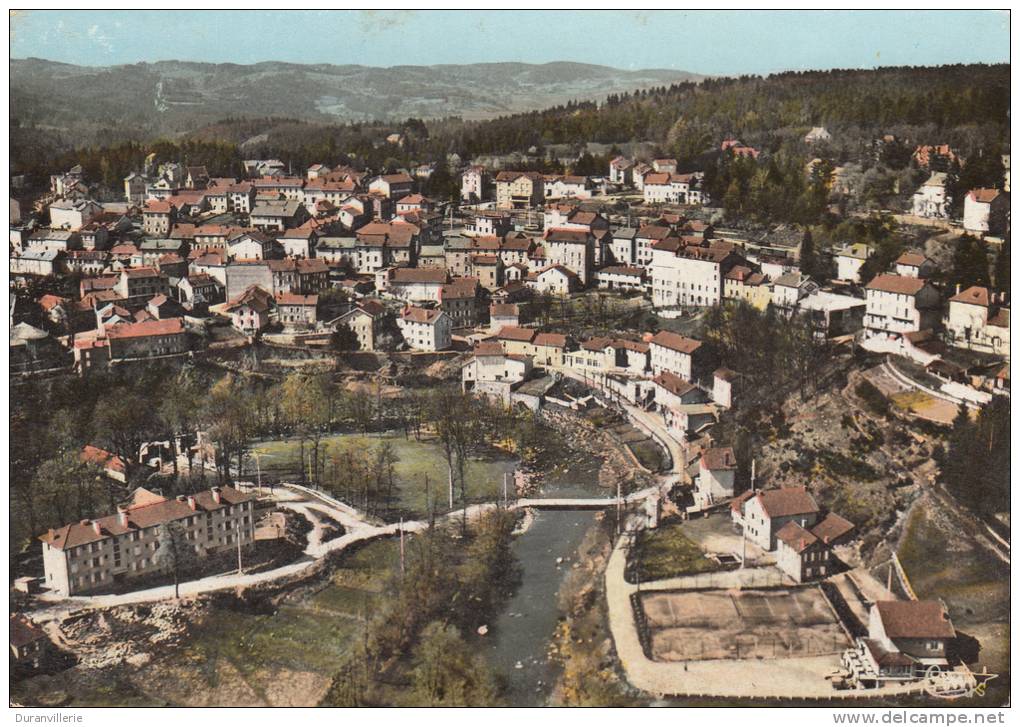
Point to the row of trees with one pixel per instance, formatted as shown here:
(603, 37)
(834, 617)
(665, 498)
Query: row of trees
(975, 466)
(449, 586)
(52, 421)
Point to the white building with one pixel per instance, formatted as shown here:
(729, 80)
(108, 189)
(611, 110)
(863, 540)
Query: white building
(717, 471)
(621, 277)
(573, 249)
(977, 320)
(762, 514)
(674, 353)
(95, 554)
(69, 214)
(425, 329)
(493, 373)
(913, 264)
(931, 199)
(689, 274)
(895, 305)
(986, 210)
(472, 184)
(850, 259)
(554, 279)
(621, 171)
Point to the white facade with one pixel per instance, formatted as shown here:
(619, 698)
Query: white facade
(678, 280)
(931, 199)
(426, 330)
(894, 308)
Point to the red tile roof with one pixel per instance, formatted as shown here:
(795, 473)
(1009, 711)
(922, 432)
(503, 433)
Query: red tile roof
(552, 340)
(832, 528)
(676, 342)
(915, 620)
(974, 295)
(515, 333)
(718, 458)
(673, 383)
(152, 512)
(421, 315)
(898, 284)
(787, 501)
(166, 327)
(102, 458)
(796, 537)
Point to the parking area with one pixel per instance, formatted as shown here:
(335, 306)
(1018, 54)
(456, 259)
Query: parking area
(740, 624)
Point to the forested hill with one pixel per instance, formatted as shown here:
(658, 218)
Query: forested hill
(949, 103)
(965, 106)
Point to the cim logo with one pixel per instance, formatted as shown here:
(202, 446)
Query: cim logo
(954, 684)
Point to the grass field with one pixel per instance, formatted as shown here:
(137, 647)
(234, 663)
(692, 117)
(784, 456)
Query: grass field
(280, 460)
(667, 552)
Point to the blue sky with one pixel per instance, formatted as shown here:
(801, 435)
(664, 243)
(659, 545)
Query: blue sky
(712, 42)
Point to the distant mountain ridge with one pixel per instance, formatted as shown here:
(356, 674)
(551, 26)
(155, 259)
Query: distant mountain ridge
(168, 97)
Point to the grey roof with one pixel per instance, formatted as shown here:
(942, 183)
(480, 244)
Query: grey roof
(275, 208)
(343, 243)
(24, 332)
(431, 251)
(157, 244)
(627, 233)
(44, 255)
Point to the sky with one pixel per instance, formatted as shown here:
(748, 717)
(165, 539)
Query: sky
(709, 42)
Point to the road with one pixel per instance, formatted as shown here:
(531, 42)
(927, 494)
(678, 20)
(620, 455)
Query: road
(312, 504)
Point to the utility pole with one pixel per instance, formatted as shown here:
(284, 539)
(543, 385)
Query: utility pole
(240, 569)
(619, 507)
(401, 546)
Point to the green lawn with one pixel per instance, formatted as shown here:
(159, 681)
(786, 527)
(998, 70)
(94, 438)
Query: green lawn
(666, 552)
(416, 460)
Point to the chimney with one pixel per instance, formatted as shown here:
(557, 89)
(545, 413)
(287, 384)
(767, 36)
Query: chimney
(957, 288)
(191, 502)
(122, 515)
(216, 495)
(97, 527)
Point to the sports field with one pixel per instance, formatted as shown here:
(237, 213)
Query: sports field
(741, 624)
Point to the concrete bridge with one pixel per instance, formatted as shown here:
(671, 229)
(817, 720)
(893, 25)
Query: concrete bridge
(583, 503)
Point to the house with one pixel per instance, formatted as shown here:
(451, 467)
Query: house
(299, 276)
(417, 285)
(519, 190)
(621, 171)
(473, 184)
(280, 188)
(425, 329)
(112, 465)
(254, 245)
(681, 404)
(382, 244)
(315, 171)
(199, 289)
(516, 340)
(488, 270)
(789, 289)
(978, 319)
(36, 262)
(914, 264)
(672, 188)
(723, 382)
(573, 249)
(298, 241)
(717, 469)
(277, 214)
(665, 166)
(549, 349)
(566, 186)
(689, 271)
(493, 373)
(621, 277)
(295, 310)
(33, 349)
(96, 554)
(392, 186)
(895, 305)
(460, 300)
(364, 320)
(138, 284)
(249, 312)
(29, 643)
(555, 280)
(622, 249)
(803, 553)
(986, 210)
(67, 214)
(158, 217)
(817, 134)
(936, 157)
(832, 314)
(504, 314)
(134, 188)
(905, 639)
(931, 200)
(241, 197)
(638, 174)
(490, 222)
(850, 259)
(675, 354)
(49, 240)
(743, 283)
(145, 339)
(762, 514)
